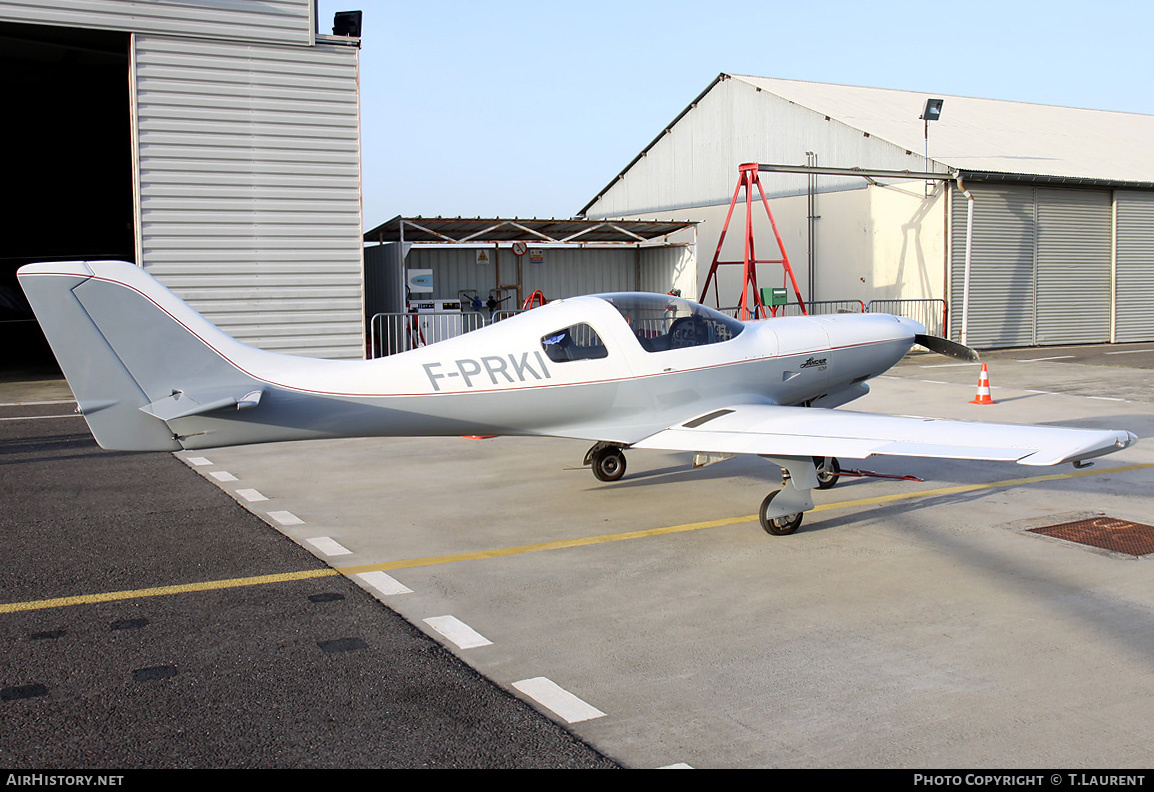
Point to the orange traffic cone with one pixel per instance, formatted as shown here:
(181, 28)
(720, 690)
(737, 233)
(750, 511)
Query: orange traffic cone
(983, 396)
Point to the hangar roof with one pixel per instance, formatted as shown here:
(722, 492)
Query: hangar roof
(989, 135)
(474, 230)
(979, 138)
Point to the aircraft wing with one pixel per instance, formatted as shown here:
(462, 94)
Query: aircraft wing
(772, 430)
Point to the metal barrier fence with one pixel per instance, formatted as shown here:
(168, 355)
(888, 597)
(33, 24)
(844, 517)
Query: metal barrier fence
(931, 313)
(816, 308)
(824, 307)
(390, 333)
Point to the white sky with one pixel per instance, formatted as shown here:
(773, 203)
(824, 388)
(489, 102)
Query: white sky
(528, 108)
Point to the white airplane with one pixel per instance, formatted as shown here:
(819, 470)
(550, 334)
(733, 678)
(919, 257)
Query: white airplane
(628, 370)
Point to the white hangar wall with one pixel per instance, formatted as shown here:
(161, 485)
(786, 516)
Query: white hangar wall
(245, 138)
(880, 242)
(248, 192)
(871, 241)
(1062, 254)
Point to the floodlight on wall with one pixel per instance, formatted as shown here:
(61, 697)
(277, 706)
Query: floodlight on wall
(931, 112)
(347, 23)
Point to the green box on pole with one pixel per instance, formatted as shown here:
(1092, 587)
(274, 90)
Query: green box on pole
(774, 296)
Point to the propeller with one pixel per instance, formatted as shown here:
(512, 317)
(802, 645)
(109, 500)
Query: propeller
(944, 346)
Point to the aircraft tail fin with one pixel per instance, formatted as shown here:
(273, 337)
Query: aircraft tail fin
(134, 354)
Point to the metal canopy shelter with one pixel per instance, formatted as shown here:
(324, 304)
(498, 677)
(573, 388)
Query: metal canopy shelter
(478, 230)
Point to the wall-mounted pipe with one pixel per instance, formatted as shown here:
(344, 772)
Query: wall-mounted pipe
(969, 256)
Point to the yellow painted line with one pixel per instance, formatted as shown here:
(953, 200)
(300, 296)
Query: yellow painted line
(261, 580)
(164, 591)
(619, 537)
(991, 485)
(537, 548)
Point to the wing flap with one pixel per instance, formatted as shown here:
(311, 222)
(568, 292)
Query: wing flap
(808, 431)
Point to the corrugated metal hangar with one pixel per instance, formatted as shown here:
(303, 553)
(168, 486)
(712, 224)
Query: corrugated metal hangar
(1062, 225)
(217, 145)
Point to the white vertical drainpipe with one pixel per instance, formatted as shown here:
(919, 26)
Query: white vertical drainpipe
(969, 251)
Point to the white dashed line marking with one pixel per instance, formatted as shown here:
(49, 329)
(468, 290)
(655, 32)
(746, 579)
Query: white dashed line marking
(286, 518)
(560, 701)
(40, 417)
(251, 495)
(328, 546)
(1130, 352)
(383, 584)
(29, 403)
(222, 475)
(199, 461)
(464, 636)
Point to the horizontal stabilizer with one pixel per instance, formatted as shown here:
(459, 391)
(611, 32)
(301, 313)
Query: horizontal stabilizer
(180, 405)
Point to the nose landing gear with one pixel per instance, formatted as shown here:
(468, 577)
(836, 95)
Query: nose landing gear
(781, 511)
(778, 526)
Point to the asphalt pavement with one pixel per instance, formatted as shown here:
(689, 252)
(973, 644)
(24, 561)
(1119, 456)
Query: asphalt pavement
(149, 621)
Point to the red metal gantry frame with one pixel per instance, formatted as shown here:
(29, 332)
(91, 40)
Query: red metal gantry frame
(747, 178)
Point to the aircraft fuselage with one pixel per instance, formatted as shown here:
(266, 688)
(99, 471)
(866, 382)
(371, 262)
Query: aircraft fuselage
(502, 380)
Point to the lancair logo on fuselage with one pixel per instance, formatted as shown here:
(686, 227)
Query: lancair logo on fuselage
(813, 362)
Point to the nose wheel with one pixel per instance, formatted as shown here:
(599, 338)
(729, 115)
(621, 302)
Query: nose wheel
(781, 512)
(778, 526)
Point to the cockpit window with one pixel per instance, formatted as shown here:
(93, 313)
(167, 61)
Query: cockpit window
(661, 322)
(578, 342)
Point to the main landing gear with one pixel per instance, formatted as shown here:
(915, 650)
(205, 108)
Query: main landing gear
(828, 471)
(607, 461)
(780, 513)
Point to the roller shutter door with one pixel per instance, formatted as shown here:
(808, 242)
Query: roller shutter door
(1073, 274)
(1001, 305)
(1040, 269)
(1135, 267)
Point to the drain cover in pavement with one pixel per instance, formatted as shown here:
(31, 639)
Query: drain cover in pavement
(1120, 536)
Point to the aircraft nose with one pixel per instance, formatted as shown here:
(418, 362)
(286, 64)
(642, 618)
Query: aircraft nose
(915, 327)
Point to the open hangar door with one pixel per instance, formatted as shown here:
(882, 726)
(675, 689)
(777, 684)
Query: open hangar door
(68, 162)
(502, 263)
(1040, 269)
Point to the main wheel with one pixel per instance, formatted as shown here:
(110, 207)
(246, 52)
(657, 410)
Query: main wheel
(828, 471)
(778, 526)
(608, 464)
